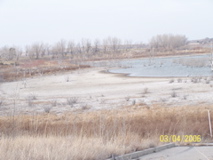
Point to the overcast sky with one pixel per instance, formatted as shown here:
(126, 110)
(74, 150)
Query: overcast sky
(26, 21)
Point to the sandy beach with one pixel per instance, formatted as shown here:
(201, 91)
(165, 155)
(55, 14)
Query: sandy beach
(93, 88)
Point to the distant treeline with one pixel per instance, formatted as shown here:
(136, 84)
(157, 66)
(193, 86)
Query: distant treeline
(87, 48)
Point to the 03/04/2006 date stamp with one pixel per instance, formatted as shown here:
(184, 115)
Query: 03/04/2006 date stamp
(180, 138)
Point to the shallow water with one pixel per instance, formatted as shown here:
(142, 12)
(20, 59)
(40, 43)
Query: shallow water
(182, 66)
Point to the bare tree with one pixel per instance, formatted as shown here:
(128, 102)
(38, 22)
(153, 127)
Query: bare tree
(27, 48)
(167, 42)
(79, 48)
(45, 50)
(96, 46)
(86, 45)
(127, 45)
(105, 45)
(114, 44)
(18, 53)
(10, 53)
(54, 51)
(35, 50)
(70, 47)
(59, 49)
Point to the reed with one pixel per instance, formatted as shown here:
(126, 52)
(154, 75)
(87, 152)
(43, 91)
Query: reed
(97, 134)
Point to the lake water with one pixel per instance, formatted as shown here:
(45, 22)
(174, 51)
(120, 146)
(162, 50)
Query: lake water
(182, 66)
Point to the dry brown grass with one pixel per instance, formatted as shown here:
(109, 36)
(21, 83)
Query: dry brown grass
(58, 148)
(26, 69)
(97, 134)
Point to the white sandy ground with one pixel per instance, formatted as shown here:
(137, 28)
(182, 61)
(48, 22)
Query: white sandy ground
(97, 90)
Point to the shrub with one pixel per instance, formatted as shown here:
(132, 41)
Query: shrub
(32, 96)
(194, 80)
(127, 98)
(71, 101)
(133, 102)
(67, 78)
(171, 81)
(30, 99)
(54, 103)
(179, 80)
(174, 94)
(207, 81)
(145, 91)
(47, 109)
(185, 97)
(85, 107)
(1, 102)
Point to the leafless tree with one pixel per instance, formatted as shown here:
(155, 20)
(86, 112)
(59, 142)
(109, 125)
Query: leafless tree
(105, 45)
(59, 49)
(96, 46)
(55, 51)
(86, 45)
(116, 43)
(127, 45)
(79, 48)
(45, 50)
(35, 50)
(10, 53)
(62, 47)
(70, 47)
(27, 49)
(7, 53)
(18, 53)
(167, 42)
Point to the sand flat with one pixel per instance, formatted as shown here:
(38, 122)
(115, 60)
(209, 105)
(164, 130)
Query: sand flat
(101, 90)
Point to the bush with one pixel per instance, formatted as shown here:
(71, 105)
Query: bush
(30, 99)
(54, 103)
(71, 101)
(179, 80)
(145, 91)
(47, 109)
(67, 78)
(174, 94)
(127, 98)
(171, 81)
(1, 102)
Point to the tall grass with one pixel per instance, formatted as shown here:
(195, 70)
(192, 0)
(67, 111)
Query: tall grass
(97, 134)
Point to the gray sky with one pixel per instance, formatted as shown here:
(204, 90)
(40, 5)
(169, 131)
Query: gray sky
(27, 21)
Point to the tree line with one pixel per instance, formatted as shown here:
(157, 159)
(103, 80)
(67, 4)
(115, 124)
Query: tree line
(87, 48)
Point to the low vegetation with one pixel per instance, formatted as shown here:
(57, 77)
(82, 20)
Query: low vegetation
(71, 101)
(173, 94)
(1, 102)
(193, 62)
(35, 67)
(97, 134)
